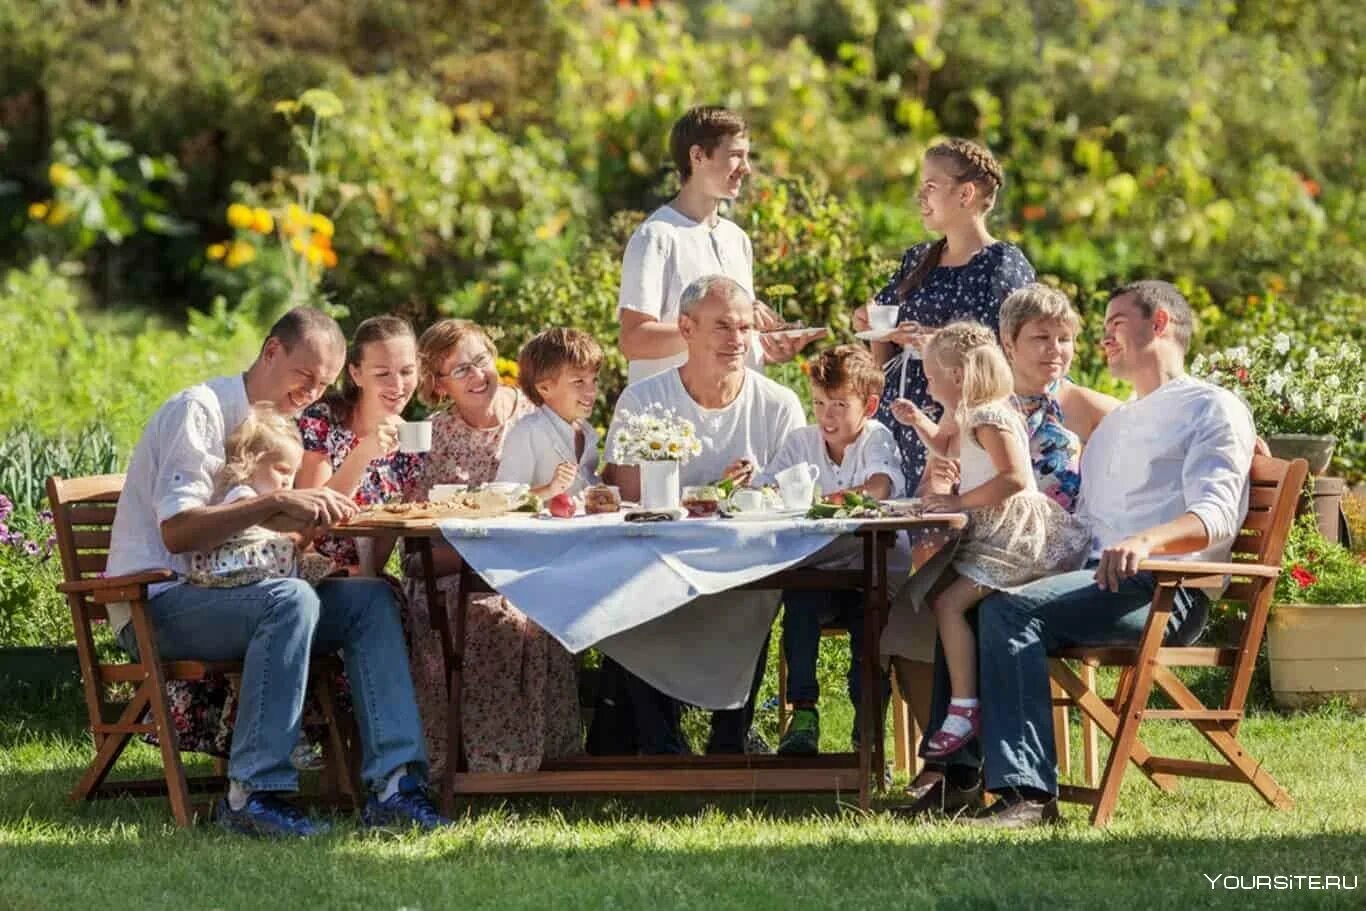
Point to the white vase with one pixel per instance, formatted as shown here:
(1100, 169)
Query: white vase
(659, 484)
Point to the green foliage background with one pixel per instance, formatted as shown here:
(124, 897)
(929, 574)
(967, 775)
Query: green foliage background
(493, 157)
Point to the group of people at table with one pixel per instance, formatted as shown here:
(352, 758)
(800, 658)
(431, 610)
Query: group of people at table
(236, 482)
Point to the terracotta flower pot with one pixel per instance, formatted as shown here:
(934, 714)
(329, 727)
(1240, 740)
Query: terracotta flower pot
(1317, 652)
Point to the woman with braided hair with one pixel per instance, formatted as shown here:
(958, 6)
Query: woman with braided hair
(964, 275)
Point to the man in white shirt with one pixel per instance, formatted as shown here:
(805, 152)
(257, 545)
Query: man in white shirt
(743, 418)
(166, 512)
(686, 239)
(1163, 474)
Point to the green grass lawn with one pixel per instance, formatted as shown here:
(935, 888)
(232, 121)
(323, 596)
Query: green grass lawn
(713, 853)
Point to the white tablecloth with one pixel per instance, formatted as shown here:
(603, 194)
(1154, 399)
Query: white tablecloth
(639, 591)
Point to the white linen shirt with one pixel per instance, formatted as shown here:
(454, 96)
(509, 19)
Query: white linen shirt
(753, 426)
(539, 442)
(874, 451)
(668, 252)
(172, 470)
(1185, 447)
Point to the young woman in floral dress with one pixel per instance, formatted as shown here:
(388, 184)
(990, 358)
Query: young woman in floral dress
(351, 436)
(520, 693)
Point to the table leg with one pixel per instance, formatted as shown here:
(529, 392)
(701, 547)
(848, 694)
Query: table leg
(452, 654)
(868, 698)
(881, 547)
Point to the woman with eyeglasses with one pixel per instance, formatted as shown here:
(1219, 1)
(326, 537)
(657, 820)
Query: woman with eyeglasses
(511, 720)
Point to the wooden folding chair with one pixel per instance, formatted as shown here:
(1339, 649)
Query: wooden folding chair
(1275, 489)
(83, 515)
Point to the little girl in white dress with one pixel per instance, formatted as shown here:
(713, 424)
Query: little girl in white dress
(1015, 533)
(262, 455)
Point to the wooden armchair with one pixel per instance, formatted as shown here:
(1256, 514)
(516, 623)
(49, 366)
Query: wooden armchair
(1275, 489)
(83, 515)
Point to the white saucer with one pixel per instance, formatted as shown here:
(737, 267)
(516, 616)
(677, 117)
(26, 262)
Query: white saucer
(795, 333)
(874, 335)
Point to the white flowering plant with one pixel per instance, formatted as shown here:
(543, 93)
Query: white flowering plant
(1291, 387)
(656, 434)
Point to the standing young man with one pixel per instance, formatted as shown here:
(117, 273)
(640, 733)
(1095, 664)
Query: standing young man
(688, 238)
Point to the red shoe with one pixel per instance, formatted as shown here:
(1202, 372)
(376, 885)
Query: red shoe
(943, 744)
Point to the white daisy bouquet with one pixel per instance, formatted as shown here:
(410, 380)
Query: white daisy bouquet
(656, 434)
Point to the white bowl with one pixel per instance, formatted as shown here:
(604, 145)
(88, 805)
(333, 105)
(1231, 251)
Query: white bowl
(510, 489)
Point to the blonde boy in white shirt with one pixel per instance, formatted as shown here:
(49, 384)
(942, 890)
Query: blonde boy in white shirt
(852, 453)
(555, 449)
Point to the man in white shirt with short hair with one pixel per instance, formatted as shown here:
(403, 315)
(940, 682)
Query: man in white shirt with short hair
(167, 511)
(743, 418)
(1165, 474)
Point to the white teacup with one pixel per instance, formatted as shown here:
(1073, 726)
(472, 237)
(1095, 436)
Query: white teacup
(415, 436)
(746, 499)
(797, 484)
(882, 317)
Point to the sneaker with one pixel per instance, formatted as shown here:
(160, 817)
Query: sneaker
(409, 806)
(265, 815)
(756, 745)
(803, 737)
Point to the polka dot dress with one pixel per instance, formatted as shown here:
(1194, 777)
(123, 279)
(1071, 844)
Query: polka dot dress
(974, 290)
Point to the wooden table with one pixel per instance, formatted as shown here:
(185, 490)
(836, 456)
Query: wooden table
(734, 773)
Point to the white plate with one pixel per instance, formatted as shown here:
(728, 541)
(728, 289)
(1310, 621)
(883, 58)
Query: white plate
(769, 516)
(874, 335)
(794, 333)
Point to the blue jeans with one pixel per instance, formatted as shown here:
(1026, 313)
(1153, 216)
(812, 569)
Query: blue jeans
(805, 614)
(273, 627)
(1015, 634)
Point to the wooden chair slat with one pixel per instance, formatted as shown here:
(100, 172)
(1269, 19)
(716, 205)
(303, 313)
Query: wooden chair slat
(1275, 487)
(87, 514)
(94, 539)
(91, 564)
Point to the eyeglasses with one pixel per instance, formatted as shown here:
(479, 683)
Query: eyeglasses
(461, 371)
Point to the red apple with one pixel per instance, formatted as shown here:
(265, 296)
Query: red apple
(562, 506)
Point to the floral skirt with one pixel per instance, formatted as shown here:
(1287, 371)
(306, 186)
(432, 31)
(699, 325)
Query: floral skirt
(520, 700)
(203, 713)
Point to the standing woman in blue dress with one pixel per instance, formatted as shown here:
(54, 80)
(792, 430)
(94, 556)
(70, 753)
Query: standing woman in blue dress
(965, 274)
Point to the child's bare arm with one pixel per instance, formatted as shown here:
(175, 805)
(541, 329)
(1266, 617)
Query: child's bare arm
(938, 438)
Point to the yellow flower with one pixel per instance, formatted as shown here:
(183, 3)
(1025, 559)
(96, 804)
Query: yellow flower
(38, 210)
(239, 216)
(239, 254)
(61, 175)
(262, 222)
(321, 241)
(297, 244)
(216, 252)
(321, 224)
(295, 219)
(314, 256)
(330, 258)
(59, 215)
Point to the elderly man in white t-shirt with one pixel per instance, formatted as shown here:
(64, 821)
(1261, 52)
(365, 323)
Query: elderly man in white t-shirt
(168, 511)
(688, 238)
(743, 418)
(1163, 474)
